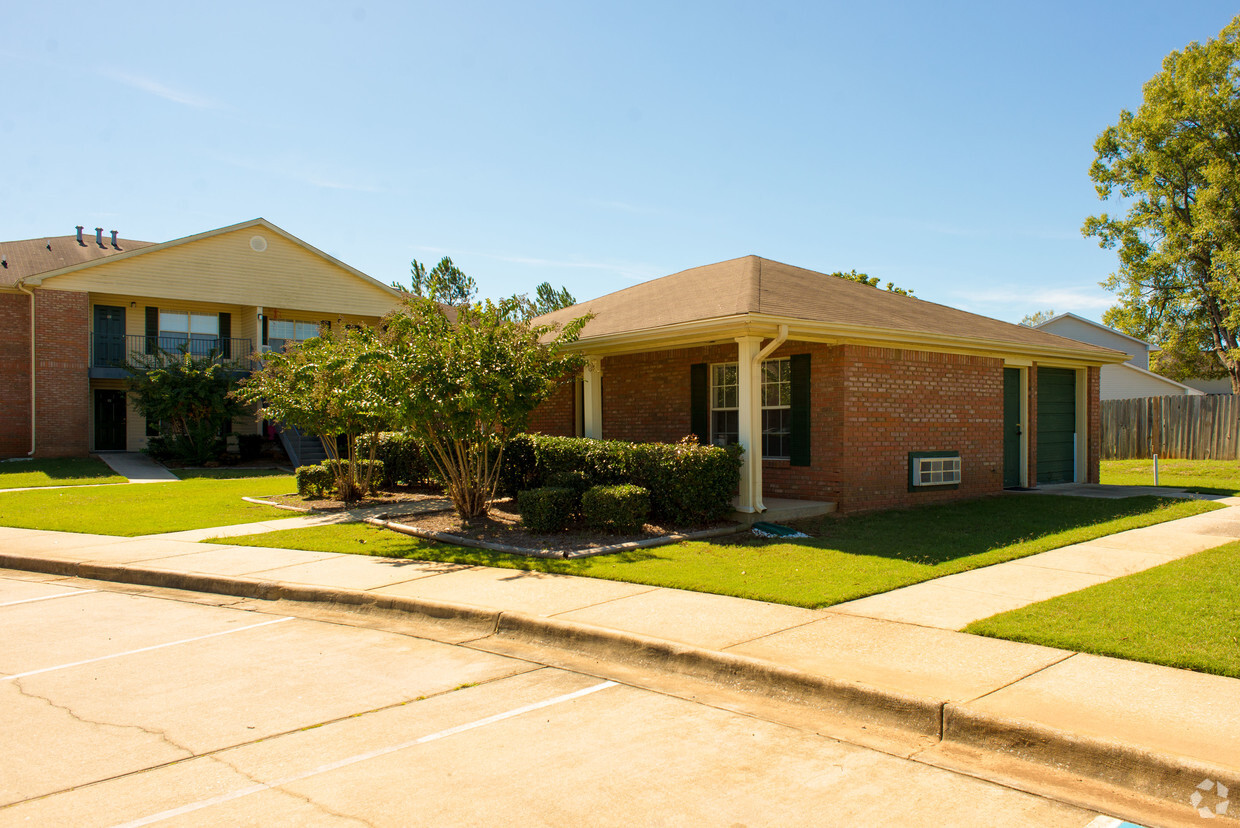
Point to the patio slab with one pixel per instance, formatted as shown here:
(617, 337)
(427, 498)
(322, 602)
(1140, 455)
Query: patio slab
(695, 618)
(917, 660)
(534, 593)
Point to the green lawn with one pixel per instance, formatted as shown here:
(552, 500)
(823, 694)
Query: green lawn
(1182, 614)
(1209, 476)
(847, 557)
(145, 508)
(69, 471)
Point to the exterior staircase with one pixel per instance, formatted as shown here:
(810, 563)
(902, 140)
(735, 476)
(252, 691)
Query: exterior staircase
(302, 449)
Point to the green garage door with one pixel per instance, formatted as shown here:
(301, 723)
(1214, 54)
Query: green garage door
(1056, 425)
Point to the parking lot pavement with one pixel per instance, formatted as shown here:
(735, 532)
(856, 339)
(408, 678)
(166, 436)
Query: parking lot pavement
(122, 708)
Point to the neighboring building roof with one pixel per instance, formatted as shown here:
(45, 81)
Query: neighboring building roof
(1114, 386)
(1098, 325)
(30, 257)
(755, 286)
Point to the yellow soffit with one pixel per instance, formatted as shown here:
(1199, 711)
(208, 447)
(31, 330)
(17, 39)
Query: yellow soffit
(726, 329)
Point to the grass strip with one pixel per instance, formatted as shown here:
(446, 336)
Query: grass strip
(1185, 614)
(847, 558)
(68, 471)
(146, 508)
(1206, 476)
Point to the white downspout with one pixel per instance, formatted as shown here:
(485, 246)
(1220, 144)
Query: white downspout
(33, 409)
(780, 338)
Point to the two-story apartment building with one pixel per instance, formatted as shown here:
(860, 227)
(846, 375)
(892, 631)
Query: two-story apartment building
(76, 308)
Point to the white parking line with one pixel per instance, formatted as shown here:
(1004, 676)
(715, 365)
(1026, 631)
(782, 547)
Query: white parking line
(361, 757)
(48, 597)
(143, 649)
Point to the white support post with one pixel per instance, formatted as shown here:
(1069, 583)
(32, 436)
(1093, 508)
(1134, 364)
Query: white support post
(749, 416)
(592, 398)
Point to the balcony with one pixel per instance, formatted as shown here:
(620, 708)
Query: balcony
(110, 354)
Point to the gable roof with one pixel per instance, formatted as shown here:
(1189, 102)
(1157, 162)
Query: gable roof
(755, 287)
(1092, 323)
(135, 248)
(30, 257)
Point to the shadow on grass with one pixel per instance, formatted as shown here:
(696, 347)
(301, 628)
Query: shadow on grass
(939, 534)
(226, 473)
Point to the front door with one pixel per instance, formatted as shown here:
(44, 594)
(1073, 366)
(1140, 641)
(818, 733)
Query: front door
(1011, 427)
(109, 420)
(1056, 425)
(109, 336)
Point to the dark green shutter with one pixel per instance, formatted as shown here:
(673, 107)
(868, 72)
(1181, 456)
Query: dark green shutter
(699, 402)
(798, 436)
(152, 329)
(226, 336)
(263, 318)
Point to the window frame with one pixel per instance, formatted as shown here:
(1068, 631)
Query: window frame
(784, 382)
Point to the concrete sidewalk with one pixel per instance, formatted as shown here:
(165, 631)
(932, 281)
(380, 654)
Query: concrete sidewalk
(921, 689)
(138, 467)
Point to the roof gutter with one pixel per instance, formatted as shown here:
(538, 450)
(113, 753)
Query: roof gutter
(33, 409)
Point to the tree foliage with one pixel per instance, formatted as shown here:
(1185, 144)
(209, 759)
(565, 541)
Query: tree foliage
(188, 397)
(1175, 164)
(338, 383)
(1032, 320)
(872, 281)
(469, 386)
(546, 299)
(444, 283)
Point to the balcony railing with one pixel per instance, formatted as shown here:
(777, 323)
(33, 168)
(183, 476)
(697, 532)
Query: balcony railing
(116, 352)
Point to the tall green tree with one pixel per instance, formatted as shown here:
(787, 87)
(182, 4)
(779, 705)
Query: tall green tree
(1175, 167)
(546, 299)
(468, 385)
(445, 283)
(338, 383)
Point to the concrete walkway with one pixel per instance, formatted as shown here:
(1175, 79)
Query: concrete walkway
(891, 664)
(136, 466)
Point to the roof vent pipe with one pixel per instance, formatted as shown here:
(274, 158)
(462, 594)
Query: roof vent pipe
(99, 236)
(79, 227)
(114, 240)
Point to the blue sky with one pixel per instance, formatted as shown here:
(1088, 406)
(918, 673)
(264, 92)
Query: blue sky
(943, 146)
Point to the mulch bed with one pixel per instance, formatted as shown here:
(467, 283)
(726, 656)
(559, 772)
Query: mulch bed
(503, 525)
(401, 498)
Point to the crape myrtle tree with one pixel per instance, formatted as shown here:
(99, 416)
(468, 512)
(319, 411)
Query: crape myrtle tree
(338, 383)
(467, 386)
(188, 397)
(1175, 167)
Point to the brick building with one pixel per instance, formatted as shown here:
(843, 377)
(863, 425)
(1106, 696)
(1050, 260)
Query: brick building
(855, 395)
(75, 309)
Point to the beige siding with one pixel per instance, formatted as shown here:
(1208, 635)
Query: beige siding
(1120, 382)
(227, 269)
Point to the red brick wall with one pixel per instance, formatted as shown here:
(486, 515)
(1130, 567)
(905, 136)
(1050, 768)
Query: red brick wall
(646, 396)
(62, 355)
(14, 375)
(558, 415)
(1094, 435)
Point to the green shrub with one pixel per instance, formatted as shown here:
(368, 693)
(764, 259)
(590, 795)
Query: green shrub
(548, 509)
(403, 457)
(320, 480)
(622, 508)
(688, 483)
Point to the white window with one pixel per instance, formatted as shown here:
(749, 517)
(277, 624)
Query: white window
(199, 332)
(284, 332)
(776, 398)
(724, 414)
(936, 471)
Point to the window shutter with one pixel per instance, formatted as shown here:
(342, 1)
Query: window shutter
(263, 319)
(226, 336)
(699, 402)
(798, 437)
(152, 329)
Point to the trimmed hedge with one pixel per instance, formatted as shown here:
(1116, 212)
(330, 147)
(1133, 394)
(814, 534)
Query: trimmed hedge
(688, 483)
(320, 480)
(548, 509)
(621, 508)
(403, 459)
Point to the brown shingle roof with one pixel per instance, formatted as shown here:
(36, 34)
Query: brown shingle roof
(29, 257)
(753, 285)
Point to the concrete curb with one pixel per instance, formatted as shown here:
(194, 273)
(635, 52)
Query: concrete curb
(1118, 766)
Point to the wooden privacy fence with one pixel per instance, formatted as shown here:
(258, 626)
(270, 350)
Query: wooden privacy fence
(1187, 428)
